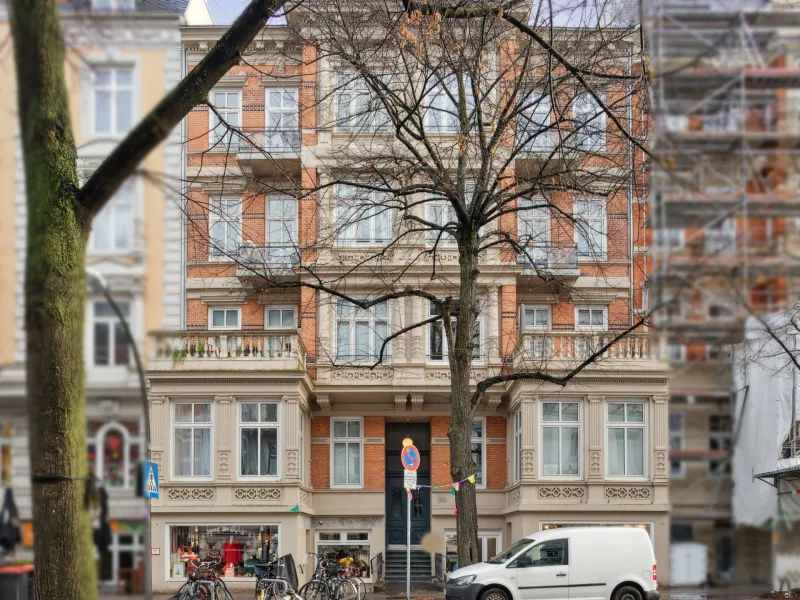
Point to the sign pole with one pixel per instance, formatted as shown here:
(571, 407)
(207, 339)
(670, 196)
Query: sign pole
(410, 459)
(408, 549)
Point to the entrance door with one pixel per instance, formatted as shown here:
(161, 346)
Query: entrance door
(396, 496)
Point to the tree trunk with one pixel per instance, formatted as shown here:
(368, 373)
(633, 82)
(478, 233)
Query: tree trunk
(55, 291)
(461, 409)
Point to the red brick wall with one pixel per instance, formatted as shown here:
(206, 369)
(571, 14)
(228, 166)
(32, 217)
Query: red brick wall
(440, 453)
(196, 314)
(374, 454)
(252, 314)
(496, 467)
(321, 454)
(509, 328)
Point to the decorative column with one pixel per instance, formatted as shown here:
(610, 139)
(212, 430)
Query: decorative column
(418, 306)
(224, 427)
(529, 405)
(595, 425)
(398, 319)
(492, 325)
(325, 311)
(159, 433)
(291, 427)
(659, 425)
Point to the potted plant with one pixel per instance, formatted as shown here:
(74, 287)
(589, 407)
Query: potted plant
(247, 350)
(201, 349)
(238, 350)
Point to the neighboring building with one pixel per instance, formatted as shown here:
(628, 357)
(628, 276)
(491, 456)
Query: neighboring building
(265, 442)
(122, 58)
(724, 236)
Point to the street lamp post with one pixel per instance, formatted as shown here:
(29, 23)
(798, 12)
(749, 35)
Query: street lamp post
(97, 282)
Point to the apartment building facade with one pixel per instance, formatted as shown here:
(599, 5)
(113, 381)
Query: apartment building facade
(122, 57)
(725, 235)
(268, 442)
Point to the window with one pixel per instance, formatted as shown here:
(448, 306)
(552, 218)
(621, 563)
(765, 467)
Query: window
(360, 332)
(720, 353)
(590, 123)
(677, 441)
(114, 453)
(280, 318)
(478, 441)
(489, 545)
(238, 545)
(282, 230)
(283, 129)
(110, 5)
(720, 428)
(676, 352)
(259, 432)
(534, 224)
(517, 446)
(301, 444)
(110, 342)
(533, 125)
(357, 107)
(591, 318)
(590, 228)
(335, 545)
(625, 424)
(112, 93)
(192, 439)
(362, 216)
(112, 228)
(441, 214)
(5, 453)
(536, 318)
(223, 318)
(346, 447)
(560, 438)
(225, 226)
(547, 554)
(721, 311)
(442, 113)
(680, 532)
(437, 340)
(669, 238)
(227, 104)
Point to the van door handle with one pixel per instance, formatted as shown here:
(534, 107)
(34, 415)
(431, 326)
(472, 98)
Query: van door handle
(561, 574)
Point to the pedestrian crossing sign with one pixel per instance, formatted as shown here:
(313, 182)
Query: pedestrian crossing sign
(150, 480)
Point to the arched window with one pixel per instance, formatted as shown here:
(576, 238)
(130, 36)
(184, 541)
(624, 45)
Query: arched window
(113, 456)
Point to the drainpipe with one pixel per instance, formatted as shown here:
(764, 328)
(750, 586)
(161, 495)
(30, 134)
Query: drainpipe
(629, 110)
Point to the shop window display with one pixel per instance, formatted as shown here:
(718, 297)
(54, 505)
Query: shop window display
(351, 548)
(235, 548)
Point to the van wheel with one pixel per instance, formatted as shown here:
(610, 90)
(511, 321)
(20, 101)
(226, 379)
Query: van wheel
(497, 594)
(627, 592)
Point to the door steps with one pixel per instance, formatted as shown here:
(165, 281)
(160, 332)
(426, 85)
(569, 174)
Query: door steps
(396, 567)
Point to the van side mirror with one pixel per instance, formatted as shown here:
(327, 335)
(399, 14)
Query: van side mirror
(524, 561)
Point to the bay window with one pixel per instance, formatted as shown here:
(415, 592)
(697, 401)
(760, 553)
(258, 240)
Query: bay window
(478, 450)
(625, 427)
(362, 217)
(560, 435)
(346, 447)
(360, 333)
(259, 432)
(191, 430)
(437, 340)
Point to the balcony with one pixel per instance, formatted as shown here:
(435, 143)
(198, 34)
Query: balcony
(269, 151)
(218, 350)
(273, 260)
(576, 346)
(543, 260)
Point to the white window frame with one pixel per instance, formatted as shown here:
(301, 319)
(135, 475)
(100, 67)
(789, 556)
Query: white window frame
(481, 485)
(591, 327)
(281, 327)
(679, 437)
(128, 440)
(352, 319)
(592, 224)
(284, 138)
(219, 212)
(359, 117)
(445, 349)
(259, 425)
(343, 541)
(347, 440)
(483, 536)
(440, 212)
(281, 249)
(517, 446)
(111, 320)
(530, 212)
(126, 196)
(114, 5)
(192, 425)
(439, 102)
(347, 219)
(215, 142)
(626, 425)
(560, 425)
(595, 119)
(676, 357)
(536, 308)
(537, 101)
(114, 89)
(213, 308)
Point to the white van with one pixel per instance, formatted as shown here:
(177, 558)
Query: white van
(568, 563)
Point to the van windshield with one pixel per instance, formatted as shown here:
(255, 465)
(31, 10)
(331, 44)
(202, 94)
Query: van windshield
(510, 552)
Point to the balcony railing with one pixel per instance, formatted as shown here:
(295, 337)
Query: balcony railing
(262, 259)
(579, 345)
(549, 257)
(194, 348)
(272, 141)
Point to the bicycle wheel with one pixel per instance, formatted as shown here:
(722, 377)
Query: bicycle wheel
(345, 590)
(361, 587)
(315, 589)
(221, 591)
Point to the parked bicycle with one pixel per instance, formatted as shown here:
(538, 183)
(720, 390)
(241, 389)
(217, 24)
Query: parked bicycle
(333, 581)
(203, 583)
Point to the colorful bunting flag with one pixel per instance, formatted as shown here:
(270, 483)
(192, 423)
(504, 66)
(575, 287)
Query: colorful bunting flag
(295, 508)
(456, 485)
(453, 491)
(471, 478)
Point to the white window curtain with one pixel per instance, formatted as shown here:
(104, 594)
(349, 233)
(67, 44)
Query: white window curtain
(112, 228)
(225, 225)
(560, 438)
(259, 432)
(626, 428)
(362, 217)
(590, 228)
(228, 105)
(347, 451)
(112, 100)
(360, 333)
(192, 439)
(533, 123)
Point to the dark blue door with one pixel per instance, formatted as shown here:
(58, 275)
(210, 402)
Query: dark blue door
(396, 496)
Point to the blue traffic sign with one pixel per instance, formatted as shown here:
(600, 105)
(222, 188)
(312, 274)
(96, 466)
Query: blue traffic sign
(150, 479)
(410, 457)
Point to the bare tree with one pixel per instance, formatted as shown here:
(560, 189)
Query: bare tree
(452, 146)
